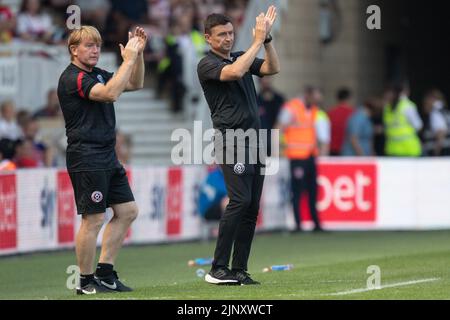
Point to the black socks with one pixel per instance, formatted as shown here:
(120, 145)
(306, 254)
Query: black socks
(104, 269)
(85, 279)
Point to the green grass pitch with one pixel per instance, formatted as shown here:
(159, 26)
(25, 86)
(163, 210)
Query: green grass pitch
(413, 265)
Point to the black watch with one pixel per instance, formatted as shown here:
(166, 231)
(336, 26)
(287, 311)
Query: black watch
(268, 39)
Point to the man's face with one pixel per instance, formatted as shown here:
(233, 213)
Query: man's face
(266, 83)
(314, 97)
(221, 38)
(87, 52)
(31, 129)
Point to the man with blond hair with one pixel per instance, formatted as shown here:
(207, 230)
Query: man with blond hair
(86, 94)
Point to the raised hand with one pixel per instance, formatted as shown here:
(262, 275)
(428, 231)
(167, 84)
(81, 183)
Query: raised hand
(140, 34)
(270, 18)
(131, 51)
(260, 30)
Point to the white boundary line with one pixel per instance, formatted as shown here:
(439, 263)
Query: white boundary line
(393, 285)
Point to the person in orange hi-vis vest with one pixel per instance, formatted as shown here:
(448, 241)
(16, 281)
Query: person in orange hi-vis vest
(6, 154)
(306, 134)
(7, 165)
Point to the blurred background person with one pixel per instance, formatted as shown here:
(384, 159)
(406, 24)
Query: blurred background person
(184, 47)
(94, 12)
(323, 131)
(213, 200)
(7, 23)
(436, 132)
(379, 138)
(359, 135)
(213, 197)
(270, 102)
(7, 147)
(25, 155)
(339, 115)
(33, 24)
(121, 19)
(170, 70)
(8, 124)
(402, 123)
(41, 154)
(235, 9)
(52, 109)
(298, 122)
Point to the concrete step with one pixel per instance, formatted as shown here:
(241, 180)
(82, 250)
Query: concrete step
(151, 129)
(150, 105)
(144, 116)
(138, 95)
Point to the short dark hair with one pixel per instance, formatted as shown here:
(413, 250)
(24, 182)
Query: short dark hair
(310, 89)
(216, 19)
(343, 94)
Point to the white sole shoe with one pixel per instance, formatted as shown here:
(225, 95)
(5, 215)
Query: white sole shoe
(212, 280)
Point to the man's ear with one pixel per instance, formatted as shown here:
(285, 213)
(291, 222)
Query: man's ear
(208, 38)
(73, 49)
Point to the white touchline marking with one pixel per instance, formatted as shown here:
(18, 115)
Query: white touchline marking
(398, 284)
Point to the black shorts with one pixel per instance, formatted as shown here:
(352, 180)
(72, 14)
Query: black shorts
(97, 190)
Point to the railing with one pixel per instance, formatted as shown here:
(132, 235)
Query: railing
(28, 71)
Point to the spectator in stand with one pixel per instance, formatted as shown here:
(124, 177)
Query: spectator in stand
(40, 153)
(193, 45)
(159, 14)
(6, 155)
(436, 131)
(170, 70)
(95, 12)
(185, 46)
(22, 117)
(339, 116)
(269, 102)
(359, 133)
(33, 24)
(52, 109)
(235, 9)
(206, 7)
(24, 154)
(7, 24)
(8, 125)
(122, 17)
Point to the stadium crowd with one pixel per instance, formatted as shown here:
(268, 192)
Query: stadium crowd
(176, 40)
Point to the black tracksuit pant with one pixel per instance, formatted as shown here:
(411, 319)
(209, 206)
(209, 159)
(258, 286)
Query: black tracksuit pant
(304, 178)
(238, 223)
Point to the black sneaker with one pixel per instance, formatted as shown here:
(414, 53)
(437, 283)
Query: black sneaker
(93, 287)
(244, 278)
(113, 283)
(221, 276)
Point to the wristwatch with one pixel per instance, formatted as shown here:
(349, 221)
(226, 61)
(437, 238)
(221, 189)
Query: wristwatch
(268, 39)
